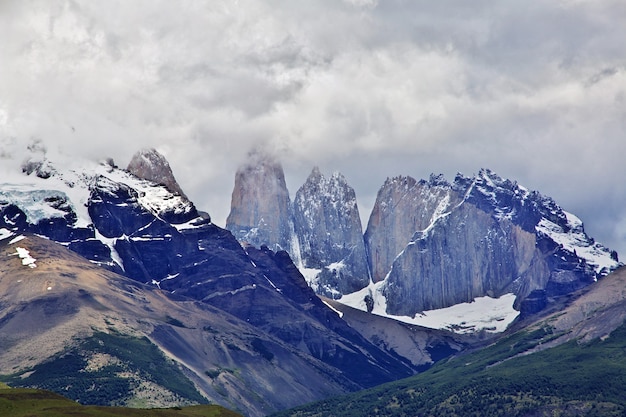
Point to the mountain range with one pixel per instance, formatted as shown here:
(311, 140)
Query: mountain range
(96, 256)
(569, 362)
(116, 290)
(428, 245)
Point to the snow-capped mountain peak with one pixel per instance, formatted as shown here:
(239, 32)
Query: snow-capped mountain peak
(433, 244)
(327, 232)
(65, 201)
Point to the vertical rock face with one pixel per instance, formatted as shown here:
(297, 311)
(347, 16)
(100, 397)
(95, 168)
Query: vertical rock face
(428, 244)
(403, 205)
(150, 165)
(322, 229)
(260, 210)
(328, 227)
(477, 236)
(468, 254)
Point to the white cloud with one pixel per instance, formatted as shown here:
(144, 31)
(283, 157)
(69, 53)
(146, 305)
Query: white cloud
(533, 90)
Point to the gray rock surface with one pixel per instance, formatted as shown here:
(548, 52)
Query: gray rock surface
(479, 236)
(328, 227)
(150, 165)
(433, 243)
(468, 254)
(260, 212)
(403, 205)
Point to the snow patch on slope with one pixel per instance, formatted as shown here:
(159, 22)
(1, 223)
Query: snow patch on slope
(34, 202)
(488, 314)
(24, 255)
(575, 241)
(5, 234)
(339, 313)
(36, 196)
(337, 266)
(17, 239)
(491, 314)
(73, 184)
(311, 275)
(110, 242)
(439, 213)
(154, 197)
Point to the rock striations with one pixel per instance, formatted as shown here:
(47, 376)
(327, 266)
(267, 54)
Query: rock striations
(321, 229)
(328, 230)
(429, 244)
(403, 205)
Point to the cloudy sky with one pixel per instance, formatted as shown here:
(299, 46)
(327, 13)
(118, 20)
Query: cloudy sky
(535, 90)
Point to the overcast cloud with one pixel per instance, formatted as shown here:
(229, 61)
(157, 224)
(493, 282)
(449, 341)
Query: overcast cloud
(535, 90)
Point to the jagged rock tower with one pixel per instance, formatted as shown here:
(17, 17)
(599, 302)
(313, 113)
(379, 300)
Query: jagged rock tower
(260, 210)
(478, 236)
(428, 244)
(328, 228)
(403, 205)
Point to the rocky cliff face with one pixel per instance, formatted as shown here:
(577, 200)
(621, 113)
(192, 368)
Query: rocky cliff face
(144, 231)
(149, 164)
(328, 229)
(433, 244)
(482, 236)
(260, 211)
(403, 205)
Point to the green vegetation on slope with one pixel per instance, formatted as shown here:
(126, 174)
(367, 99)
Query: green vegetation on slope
(23, 402)
(127, 362)
(569, 380)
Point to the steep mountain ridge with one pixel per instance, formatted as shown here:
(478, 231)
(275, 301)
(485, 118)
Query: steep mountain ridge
(592, 312)
(490, 236)
(140, 229)
(149, 164)
(432, 244)
(328, 231)
(570, 362)
(56, 307)
(403, 206)
(421, 345)
(321, 229)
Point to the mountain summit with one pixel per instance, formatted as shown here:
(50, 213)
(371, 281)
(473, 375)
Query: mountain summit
(321, 229)
(260, 211)
(163, 246)
(434, 244)
(150, 165)
(328, 231)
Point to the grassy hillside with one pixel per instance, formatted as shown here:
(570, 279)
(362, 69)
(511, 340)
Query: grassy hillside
(23, 402)
(110, 369)
(569, 380)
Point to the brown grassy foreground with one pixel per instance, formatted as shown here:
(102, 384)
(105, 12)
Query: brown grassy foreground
(23, 402)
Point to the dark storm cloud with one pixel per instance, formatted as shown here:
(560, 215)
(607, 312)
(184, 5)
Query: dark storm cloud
(534, 90)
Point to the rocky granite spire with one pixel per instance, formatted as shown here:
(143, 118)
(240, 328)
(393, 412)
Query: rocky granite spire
(328, 228)
(403, 205)
(479, 236)
(260, 209)
(149, 164)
